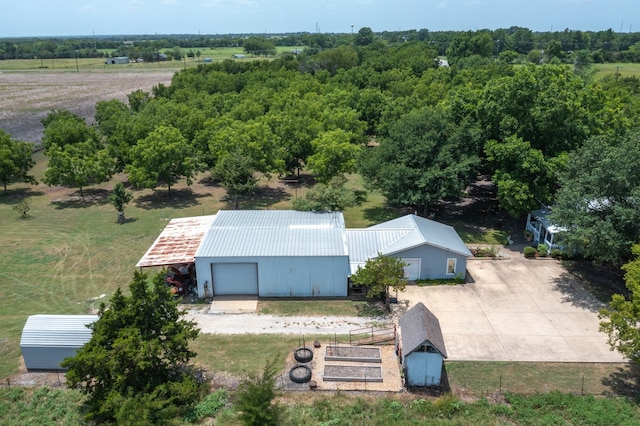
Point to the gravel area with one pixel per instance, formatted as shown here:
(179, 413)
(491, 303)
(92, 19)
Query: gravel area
(259, 323)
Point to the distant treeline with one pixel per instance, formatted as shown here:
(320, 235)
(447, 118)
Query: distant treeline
(592, 46)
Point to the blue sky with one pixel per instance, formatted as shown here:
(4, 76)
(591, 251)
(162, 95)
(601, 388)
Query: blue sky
(22, 18)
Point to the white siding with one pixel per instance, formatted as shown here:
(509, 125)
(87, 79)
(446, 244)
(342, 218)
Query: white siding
(48, 339)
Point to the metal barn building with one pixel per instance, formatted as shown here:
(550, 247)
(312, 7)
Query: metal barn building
(273, 253)
(421, 347)
(49, 339)
(117, 60)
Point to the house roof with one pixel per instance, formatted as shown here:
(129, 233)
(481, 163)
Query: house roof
(177, 243)
(57, 330)
(541, 215)
(419, 325)
(274, 233)
(401, 234)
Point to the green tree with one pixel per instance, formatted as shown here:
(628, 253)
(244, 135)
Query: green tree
(65, 128)
(259, 46)
(334, 155)
(332, 196)
(15, 161)
(135, 369)
(119, 198)
(255, 396)
(620, 319)
(23, 208)
(364, 37)
(522, 175)
(426, 157)
(236, 174)
(380, 274)
(599, 198)
(162, 158)
(78, 165)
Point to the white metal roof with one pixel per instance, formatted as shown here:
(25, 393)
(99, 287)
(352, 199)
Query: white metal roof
(57, 330)
(423, 231)
(177, 243)
(274, 233)
(399, 235)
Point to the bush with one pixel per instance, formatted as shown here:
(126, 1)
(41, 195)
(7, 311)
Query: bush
(556, 254)
(209, 407)
(255, 396)
(542, 250)
(530, 252)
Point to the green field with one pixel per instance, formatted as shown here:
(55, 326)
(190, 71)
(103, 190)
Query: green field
(98, 64)
(623, 69)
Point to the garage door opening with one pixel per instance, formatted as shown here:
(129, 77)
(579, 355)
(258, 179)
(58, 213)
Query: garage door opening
(231, 279)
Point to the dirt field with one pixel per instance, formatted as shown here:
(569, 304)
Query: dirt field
(27, 97)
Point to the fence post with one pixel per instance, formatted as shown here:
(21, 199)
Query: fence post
(582, 390)
(500, 391)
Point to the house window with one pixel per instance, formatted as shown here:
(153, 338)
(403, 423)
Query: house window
(451, 266)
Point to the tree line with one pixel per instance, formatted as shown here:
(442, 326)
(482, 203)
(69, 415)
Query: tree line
(597, 46)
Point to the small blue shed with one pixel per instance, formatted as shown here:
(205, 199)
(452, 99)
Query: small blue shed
(421, 346)
(48, 339)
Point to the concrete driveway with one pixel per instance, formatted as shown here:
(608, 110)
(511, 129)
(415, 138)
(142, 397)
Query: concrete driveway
(516, 310)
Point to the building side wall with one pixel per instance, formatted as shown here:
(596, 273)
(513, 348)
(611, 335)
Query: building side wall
(46, 357)
(434, 261)
(423, 368)
(286, 276)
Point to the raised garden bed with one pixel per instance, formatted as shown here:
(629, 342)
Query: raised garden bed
(353, 354)
(352, 373)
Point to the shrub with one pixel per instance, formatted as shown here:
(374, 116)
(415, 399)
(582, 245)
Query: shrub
(255, 396)
(23, 208)
(209, 407)
(530, 252)
(556, 254)
(542, 250)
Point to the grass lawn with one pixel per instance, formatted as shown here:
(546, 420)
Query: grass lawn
(489, 378)
(98, 64)
(624, 69)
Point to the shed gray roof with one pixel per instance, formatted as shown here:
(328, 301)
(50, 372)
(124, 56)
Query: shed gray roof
(274, 233)
(57, 330)
(419, 325)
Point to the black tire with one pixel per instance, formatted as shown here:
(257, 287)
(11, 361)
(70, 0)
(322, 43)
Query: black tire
(300, 374)
(303, 355)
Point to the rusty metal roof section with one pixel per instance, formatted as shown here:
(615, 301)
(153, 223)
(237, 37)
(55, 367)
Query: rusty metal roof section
(177, 243)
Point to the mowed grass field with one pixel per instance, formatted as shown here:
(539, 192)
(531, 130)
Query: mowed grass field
(98, 64)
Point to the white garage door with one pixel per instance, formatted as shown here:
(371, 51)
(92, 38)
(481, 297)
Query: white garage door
(235, 278)
(412, 269)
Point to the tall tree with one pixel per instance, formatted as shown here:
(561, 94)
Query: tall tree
(15, 161)
(621, 318)
(162, 158)
(425, 158)
(135, 368)
(334, 155)
(332, 196)
(76, 153)
(599, 199)
(236, 173)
